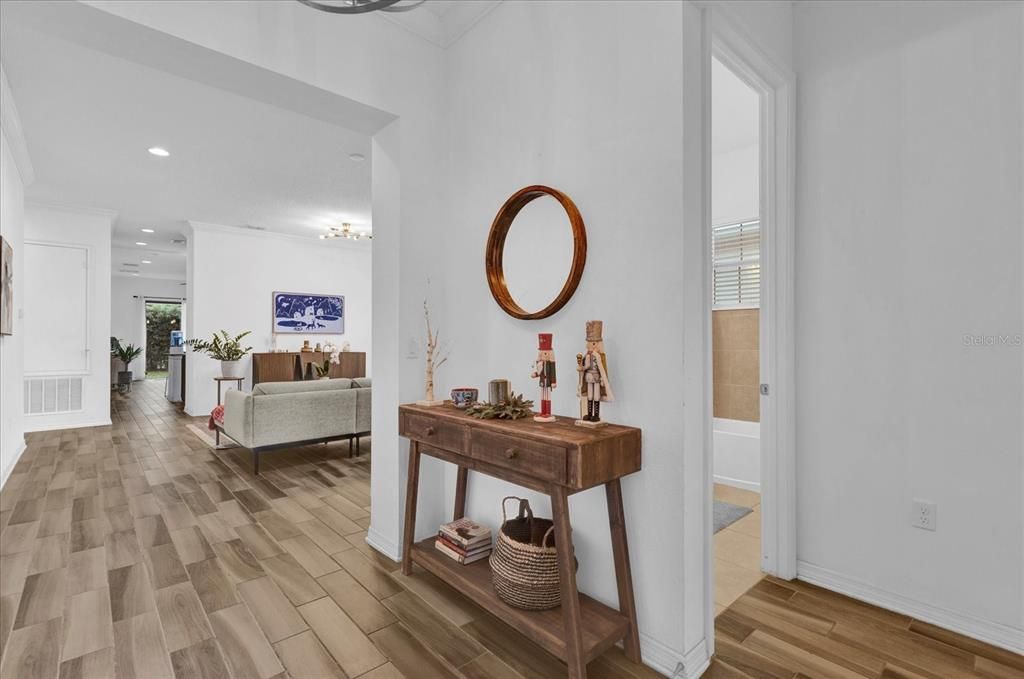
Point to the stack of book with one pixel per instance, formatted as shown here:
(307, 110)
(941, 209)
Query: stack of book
(464, 541)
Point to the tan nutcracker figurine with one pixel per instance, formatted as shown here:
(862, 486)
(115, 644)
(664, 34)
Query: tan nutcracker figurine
(544, 370)
(593, 384)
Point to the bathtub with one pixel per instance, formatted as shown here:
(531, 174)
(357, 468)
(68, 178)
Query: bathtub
(737, 449)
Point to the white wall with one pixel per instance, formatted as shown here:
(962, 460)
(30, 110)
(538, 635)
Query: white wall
(12, 210)
(234, 274)
(82, 228)
(128, 308)
(909, 239)
(597, 112)
(735, 188)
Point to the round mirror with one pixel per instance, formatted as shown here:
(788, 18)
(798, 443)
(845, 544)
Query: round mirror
(536, 252)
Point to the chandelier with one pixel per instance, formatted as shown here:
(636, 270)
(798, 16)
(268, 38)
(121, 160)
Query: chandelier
(344, 231)
(362, 6)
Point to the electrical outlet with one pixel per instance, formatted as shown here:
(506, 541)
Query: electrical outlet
(925, 515)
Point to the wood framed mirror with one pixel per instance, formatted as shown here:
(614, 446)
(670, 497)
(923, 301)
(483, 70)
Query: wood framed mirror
(542, 258)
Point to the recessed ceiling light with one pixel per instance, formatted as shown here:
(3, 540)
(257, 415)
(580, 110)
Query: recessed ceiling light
(146, 261)
(147, 230)
(357, 157)
(135, 274)
(160, 152)
(139, 242)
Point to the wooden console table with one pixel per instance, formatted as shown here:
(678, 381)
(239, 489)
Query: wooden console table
(292, 366)
(557, 459)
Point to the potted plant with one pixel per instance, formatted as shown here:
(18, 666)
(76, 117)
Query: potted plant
(126, 353)
(224, 348)
(323, 370)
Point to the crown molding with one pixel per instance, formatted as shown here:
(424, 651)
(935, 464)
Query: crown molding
(75, 209)
(207, 227)
(10, 124)
(442, 31)
(150, 277)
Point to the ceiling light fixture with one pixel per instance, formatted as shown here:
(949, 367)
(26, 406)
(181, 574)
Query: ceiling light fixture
(140, 243)
(344, 231)
(146, 261)
(160, 152)
(361, 6)
(356, 157)
(147, 230)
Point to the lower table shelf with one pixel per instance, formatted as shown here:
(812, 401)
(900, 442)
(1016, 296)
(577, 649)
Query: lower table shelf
(602, 625)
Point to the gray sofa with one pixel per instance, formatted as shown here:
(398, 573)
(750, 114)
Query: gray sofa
(284, 414)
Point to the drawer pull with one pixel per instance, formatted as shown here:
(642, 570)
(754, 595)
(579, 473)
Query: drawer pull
(511, 452)
(430, 431)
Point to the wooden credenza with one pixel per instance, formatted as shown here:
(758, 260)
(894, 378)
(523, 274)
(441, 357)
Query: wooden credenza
(557, 459)
(293, 366)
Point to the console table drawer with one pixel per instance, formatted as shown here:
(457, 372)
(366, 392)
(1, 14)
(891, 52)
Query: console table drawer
(538, 460)
(434, 432)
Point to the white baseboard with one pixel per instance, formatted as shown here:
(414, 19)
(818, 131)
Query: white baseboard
(660, 657)
(997, 634)
(6, 473)
(52, 426)
(671, 662)
(382, 544)
(737, 483)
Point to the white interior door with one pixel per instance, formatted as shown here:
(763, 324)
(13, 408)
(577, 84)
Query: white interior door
(55, 281)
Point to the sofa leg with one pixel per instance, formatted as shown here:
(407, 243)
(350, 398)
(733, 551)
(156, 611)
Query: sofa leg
(350, 446)
(358, 451)
(256, 462)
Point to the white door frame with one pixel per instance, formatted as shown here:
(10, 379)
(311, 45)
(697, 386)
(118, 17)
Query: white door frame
(776, 86)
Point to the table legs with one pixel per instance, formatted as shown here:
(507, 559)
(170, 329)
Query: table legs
(461, 481)
(623, 573)
(571, 612)
(411, 490)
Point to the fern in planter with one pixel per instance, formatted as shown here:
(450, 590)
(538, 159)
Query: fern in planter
(224, 348)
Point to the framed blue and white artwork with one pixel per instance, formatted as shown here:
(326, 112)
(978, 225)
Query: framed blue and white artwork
(298, 313)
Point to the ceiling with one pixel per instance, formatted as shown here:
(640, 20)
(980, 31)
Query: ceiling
(735, 111)
(89, 119)
(442, 22)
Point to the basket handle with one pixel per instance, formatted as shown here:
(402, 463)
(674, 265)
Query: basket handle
(524, 508)
(544, 540)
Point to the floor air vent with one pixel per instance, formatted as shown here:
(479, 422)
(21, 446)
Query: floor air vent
(52, 395)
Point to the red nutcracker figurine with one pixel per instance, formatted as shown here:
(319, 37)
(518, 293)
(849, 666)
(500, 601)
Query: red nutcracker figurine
(544, 369)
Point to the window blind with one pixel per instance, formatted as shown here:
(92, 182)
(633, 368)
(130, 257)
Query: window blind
(736, 260)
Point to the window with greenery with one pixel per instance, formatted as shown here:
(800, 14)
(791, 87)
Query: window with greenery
(736, 259)
(161, 319)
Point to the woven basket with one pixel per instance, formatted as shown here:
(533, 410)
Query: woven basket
(524, 563)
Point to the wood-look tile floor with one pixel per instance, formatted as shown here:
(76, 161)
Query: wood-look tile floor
(135, 551)
(787, 629)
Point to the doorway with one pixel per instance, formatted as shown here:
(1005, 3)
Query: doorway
(161, 319)
(772, 231)
(735, 323)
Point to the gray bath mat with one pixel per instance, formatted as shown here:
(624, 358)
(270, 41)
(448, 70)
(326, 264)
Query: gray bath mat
(727, 514)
